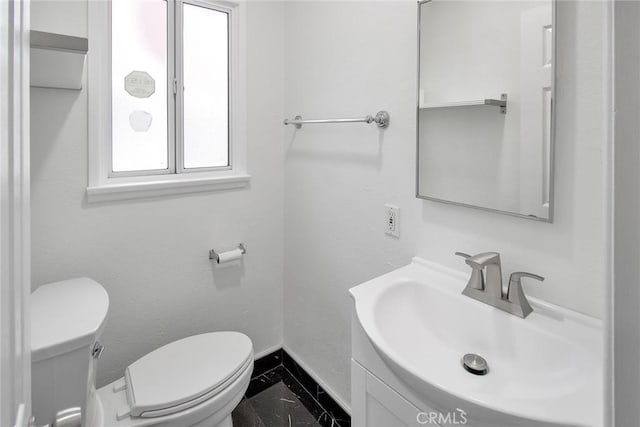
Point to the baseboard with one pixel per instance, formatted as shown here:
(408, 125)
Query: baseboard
(267, 351)
(278, 366)
(317, 379)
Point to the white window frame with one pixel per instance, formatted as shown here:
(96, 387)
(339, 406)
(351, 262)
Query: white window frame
(105, 185)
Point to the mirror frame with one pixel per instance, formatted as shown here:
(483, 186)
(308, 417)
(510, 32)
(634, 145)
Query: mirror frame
(552, 137)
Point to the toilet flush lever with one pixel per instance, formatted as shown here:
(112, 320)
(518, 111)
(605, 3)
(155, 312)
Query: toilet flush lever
(96, 351)
(71, 417)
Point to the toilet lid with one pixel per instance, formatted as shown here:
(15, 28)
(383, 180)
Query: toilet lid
(183, 373)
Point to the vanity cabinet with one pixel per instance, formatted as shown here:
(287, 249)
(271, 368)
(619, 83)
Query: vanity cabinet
(378, 397)
(375, 404)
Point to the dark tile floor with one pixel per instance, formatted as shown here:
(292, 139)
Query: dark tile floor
(277, 406)
(282, 394)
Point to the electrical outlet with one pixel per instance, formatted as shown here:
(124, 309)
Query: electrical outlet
(392, 220)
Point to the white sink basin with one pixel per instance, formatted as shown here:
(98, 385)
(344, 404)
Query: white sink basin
(544, 370)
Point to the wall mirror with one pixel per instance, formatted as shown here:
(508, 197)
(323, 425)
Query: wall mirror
(485, 114)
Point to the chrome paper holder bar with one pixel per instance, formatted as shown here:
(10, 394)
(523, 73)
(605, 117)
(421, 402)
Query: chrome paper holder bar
(214, 255)
(381, 119)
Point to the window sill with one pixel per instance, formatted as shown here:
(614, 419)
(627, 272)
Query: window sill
(163, 187)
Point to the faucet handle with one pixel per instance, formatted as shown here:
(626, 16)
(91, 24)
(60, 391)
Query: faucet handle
(516, 295)
(484, 259)
(476, 281)
(515, 277)
(463, 255)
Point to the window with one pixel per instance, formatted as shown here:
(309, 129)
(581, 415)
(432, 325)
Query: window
(165, 84)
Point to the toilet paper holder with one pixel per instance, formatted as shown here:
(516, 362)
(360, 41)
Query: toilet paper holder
(213, 255)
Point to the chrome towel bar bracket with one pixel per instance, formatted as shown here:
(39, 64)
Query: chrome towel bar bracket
(381, 119)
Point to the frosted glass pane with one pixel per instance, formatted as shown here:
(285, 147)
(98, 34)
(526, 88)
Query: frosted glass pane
(139, 85)
(206, 93)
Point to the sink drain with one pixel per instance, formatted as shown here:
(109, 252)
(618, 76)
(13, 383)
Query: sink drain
(475, 364)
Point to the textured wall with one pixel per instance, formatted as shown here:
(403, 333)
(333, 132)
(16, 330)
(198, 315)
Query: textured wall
(350, 58)
(337, 59)
(152, 255)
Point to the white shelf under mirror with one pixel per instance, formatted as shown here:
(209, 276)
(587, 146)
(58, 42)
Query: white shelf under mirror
(502, 103)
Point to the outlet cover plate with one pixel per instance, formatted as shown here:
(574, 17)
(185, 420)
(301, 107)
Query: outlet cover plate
(392, 220)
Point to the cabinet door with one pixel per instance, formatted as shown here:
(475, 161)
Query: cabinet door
(375, 404)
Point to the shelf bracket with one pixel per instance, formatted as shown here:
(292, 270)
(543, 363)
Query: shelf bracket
(502, 103)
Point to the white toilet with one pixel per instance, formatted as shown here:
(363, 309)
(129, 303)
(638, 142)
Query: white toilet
(193, 382)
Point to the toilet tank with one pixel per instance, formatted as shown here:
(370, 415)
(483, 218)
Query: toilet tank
(67, 319)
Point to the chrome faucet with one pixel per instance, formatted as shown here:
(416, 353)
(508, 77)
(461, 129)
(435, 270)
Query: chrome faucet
(485, 284)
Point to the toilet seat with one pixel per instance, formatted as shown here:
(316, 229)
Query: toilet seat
(185, 373)
(108, 403)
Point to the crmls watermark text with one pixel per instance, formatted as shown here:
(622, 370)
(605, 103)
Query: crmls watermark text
(457, 417)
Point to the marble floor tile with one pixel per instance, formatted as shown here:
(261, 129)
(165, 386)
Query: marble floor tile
(277, 406)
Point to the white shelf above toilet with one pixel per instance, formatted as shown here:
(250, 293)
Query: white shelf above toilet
(57, 60)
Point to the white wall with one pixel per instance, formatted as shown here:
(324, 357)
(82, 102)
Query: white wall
(627, 213)
(351, 58)
(342, 59)
(152, 255)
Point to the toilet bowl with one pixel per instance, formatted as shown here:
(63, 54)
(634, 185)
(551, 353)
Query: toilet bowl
(196, 381)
